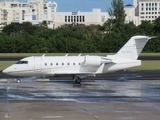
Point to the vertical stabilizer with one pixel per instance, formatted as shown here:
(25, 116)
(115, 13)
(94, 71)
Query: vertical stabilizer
(133, 48)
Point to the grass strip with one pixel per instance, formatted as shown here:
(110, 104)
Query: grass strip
(52, 54)
(5, 64)
(148, 65)
(70, 54)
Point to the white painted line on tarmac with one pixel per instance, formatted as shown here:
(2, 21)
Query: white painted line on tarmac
(51, 117)
(3, 80)
(6, 116)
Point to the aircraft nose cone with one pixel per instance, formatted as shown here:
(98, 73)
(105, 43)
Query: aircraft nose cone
(8, 71)
(4, 71)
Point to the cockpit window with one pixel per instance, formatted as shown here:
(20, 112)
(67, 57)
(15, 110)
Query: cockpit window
(22, 62)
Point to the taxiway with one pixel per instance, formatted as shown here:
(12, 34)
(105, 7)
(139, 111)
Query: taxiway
(123, 95)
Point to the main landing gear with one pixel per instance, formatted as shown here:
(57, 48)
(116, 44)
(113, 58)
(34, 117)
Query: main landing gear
(77, 79)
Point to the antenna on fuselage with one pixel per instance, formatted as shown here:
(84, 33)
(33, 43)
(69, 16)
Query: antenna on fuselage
(66, 55)
(79, 54)
(43, 55)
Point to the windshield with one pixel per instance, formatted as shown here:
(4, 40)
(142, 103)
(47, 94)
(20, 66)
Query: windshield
(22, 62)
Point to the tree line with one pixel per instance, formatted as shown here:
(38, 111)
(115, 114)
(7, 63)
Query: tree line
(78, 38)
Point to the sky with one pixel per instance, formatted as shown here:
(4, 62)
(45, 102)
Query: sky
(85, 5)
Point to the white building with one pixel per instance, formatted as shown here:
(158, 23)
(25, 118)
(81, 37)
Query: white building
(12, 11)
(130, 14)
(149, 9)
(135, 3)
(143, 10)
(87, 18)
(34, 11)
(49, 8)
(37, 11)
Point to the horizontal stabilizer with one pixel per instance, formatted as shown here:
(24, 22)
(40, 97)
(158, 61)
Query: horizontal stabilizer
(152, 37)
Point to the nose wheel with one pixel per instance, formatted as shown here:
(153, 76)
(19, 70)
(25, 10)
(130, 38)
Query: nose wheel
(18, 80)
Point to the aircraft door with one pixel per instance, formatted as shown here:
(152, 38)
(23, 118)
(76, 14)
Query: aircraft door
(38, 63)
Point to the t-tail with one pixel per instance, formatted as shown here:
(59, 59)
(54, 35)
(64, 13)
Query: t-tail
(133, 48)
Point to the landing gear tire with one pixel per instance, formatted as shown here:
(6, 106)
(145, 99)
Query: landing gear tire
(78, 80)
(18, 81)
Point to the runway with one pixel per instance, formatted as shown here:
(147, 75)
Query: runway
(123, 95)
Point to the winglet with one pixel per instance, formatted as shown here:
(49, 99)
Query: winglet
(66, 55)
(79, 54)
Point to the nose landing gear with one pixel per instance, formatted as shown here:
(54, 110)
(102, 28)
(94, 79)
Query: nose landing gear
(18, 80)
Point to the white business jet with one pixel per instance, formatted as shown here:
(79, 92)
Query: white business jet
(80, 66)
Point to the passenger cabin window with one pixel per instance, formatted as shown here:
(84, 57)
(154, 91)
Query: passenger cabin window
(62, 63)
(56, 63)
(67, 63)
(74, 64)
(45, 64)
(51, 64)
(22, 62)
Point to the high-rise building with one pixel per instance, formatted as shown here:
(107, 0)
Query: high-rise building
(149, 10)
(143, 10)
(34, 11)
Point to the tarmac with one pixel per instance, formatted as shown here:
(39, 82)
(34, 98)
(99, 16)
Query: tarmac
(122, 95)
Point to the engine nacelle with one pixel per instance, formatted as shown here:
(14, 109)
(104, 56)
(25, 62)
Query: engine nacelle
(92, 61)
